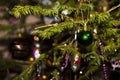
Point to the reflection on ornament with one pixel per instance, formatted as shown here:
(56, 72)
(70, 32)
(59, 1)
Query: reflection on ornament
(31, 59)
(44, 76)
(18, 46)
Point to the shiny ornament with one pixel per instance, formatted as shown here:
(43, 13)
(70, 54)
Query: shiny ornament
(85, 38)
(21, 48)
(75, 63)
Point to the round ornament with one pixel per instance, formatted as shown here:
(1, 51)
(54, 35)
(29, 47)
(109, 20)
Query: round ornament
(21, 47)
(85, 37)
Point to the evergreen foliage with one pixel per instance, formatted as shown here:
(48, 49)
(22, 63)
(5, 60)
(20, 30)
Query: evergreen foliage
(81, 17)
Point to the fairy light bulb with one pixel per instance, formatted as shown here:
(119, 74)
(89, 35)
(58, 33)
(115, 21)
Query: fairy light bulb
(103, 65)
(37, 54)
(81, 72)
(31, 59)
(19, 35)
(44, 77)
(36, 38)
(37, 45)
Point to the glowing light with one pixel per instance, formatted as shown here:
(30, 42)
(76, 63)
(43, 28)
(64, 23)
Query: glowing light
(37, 54)
(36, 38)
(37, 45)
(95, 30)
(74, 67)
(31, 59)
(81, 72)
(44, 76)
(19, 35)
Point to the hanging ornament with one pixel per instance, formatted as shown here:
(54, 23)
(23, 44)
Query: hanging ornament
(20, 47)
(75, 63)
(85, 38)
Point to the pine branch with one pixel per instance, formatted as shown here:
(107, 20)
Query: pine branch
(26, 74)
(19, 11)
(53, 29)
(45, 26)
(90, 70)
(113, 8)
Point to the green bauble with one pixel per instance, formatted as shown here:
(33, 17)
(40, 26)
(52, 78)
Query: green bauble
(85, 38)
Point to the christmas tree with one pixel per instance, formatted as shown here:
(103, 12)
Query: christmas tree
(84, 40)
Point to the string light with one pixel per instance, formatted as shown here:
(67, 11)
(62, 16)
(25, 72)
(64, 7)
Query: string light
(36, 49)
